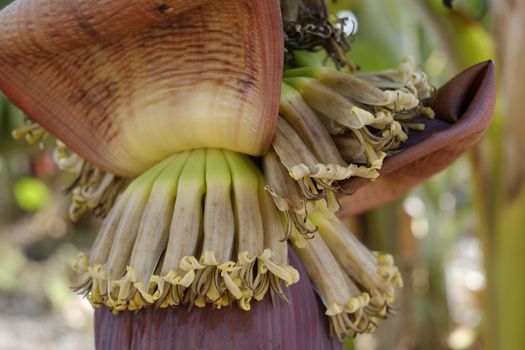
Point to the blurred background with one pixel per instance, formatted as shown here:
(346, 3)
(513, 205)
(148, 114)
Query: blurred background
(37, 242)
(458, 238)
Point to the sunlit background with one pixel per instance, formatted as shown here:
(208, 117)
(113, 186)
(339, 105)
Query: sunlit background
(458, 238)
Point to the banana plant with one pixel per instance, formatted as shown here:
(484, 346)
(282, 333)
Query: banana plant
(204, 156)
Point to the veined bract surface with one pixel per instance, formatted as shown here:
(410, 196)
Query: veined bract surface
(125, 85)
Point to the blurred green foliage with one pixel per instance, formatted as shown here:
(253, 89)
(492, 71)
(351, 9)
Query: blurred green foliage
(443, 42)
(4, 3)
(31, 193)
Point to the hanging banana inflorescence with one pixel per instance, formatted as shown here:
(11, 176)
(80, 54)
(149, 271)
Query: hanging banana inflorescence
(204, 155)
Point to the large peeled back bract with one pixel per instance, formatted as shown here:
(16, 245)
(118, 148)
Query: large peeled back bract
(127, 83)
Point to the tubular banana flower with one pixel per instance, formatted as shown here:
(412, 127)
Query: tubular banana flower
(463, 109)
(167, 248)
(204, 155)
(93, 189)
